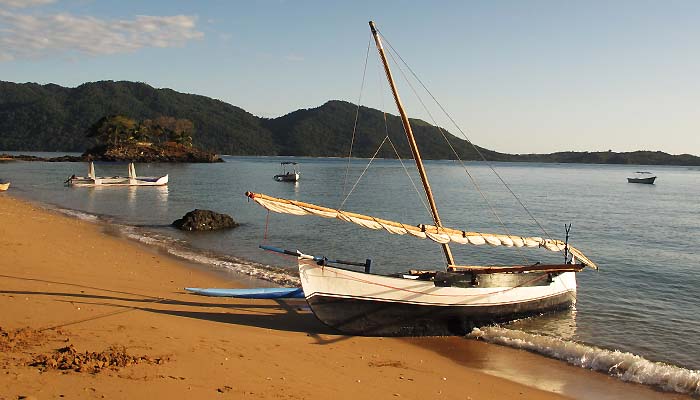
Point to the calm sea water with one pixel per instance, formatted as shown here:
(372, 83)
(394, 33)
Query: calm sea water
(637, 318)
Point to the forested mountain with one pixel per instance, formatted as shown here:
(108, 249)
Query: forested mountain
(49, 117)
(54, 118)
(327, 131)
(611, 157)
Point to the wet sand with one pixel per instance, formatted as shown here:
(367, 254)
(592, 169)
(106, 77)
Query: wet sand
(65, 282)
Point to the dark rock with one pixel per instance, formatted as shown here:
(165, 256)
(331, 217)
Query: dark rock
(150, 152)
(132, 152)
(24, 157)
(65, 159)
(204, 220)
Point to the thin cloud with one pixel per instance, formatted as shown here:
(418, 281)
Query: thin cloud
(25, 36)
(294, 58)
(25, 3)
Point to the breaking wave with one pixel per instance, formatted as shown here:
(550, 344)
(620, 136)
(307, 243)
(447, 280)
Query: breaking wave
(625, 366)
(181, 249)
(79, 215)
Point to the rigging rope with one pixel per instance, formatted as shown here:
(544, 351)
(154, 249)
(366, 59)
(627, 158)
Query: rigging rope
(357, 115)
(420, 196)
(468, 141)
(454, 151)
(386, 131)
(362, 174)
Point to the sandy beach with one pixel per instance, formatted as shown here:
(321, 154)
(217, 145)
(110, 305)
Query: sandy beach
(127, 329)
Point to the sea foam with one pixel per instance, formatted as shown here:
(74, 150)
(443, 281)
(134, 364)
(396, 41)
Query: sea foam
(180, 249)
(79, 215)
(625, 366)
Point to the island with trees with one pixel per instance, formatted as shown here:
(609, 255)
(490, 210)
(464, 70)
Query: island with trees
(162, 139)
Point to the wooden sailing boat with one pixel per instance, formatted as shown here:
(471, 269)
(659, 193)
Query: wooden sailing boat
(442, 302)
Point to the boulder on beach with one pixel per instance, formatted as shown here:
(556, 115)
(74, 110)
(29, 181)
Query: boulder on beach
(204, 220)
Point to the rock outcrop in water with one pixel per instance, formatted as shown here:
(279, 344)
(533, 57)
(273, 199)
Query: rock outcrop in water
(132, 152)
(25, 157)
(204, 220)
(150, 152)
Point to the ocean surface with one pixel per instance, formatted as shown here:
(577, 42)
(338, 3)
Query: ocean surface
(637, 318)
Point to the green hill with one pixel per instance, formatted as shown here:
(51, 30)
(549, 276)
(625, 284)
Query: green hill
(326, 131)
(611, 157)
(53, 118)
(49, 117)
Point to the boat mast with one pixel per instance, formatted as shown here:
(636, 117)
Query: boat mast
(411, 142)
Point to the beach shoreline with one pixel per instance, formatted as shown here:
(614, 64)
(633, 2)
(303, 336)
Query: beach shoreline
(65, 281)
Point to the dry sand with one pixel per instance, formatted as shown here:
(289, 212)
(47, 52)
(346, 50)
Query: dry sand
(127, 330)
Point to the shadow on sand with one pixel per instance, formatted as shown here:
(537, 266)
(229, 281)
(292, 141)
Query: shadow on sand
(283, 315)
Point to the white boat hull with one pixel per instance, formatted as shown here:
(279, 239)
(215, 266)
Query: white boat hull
(118, 181)
(375, 305)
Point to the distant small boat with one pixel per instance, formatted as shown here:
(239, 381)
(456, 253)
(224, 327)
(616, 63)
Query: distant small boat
(642, 177)
(4, 186)
(132, 180)
(290, 172)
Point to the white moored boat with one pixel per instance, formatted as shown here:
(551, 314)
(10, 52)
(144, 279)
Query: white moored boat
(91, 180)
(428, 302)
(290, 172)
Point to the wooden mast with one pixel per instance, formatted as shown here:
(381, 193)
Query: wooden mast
(411, 142)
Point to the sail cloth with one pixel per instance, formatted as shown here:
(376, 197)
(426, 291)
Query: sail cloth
(440, 235)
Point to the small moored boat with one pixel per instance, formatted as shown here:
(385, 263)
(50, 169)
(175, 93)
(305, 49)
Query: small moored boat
(642, 177)
(4, 186)
(290, 172)
(132, 180)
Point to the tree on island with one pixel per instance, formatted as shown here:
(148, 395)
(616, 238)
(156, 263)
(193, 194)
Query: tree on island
(117, 130)
(171, 129)
(112, 129)
(163, 138)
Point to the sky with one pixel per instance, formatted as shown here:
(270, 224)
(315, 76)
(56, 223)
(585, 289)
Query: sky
(515, 76)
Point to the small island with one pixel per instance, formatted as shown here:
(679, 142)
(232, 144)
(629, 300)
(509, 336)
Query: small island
(162, 139)
(120, 138)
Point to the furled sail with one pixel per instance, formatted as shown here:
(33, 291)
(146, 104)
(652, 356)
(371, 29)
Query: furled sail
(439, 235)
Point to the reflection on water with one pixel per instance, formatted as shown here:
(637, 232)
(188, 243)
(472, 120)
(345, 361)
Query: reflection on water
(162, 194)
(561, 324)
(99, 199)
(132, 197)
